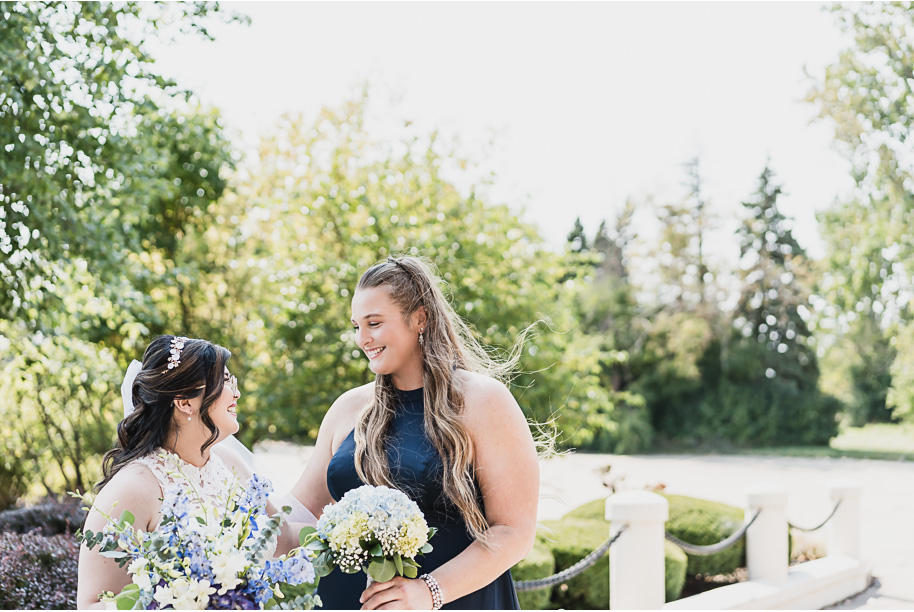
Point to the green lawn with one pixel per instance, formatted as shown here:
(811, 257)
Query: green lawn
(874, 441)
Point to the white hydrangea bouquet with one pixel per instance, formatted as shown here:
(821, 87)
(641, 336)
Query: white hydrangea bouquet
(375, 529)
(207, 556)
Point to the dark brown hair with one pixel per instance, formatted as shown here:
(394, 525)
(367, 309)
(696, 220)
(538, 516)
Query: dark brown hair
(201, 371)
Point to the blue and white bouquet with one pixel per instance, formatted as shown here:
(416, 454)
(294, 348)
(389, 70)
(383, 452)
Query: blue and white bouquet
(207, 556)
(375, 529)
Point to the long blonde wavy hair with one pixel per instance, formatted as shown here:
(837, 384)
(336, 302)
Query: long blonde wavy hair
(449, 344)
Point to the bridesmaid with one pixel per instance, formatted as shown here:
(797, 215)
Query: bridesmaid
(438, 424)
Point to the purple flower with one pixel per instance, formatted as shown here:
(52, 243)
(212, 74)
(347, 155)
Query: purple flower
(232, 600)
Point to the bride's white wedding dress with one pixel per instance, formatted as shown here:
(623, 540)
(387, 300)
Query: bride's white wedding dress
(211, 483)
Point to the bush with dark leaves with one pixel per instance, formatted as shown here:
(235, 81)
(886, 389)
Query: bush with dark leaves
(38, 572)
(51, 516)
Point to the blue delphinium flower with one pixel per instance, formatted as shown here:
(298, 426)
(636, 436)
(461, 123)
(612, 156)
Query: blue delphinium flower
(259, 590)
(256, 492)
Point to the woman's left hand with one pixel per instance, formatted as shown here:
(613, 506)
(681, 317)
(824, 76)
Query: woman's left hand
(397, 594)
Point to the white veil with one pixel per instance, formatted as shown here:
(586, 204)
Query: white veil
(300, 513)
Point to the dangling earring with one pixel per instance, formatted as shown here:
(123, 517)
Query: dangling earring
(188, 417)
(421, 339)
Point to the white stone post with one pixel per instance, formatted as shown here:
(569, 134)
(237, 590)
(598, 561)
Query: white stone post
(766, 540)
(636, 559)
(844, 526)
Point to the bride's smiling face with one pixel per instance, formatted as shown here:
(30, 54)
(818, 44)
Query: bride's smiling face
(223, 412)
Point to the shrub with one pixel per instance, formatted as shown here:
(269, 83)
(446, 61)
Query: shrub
(702, 522)
(696, 521)
(52, 516)
(540, 563)
(58, 414)
(571, 539)
(37, 571)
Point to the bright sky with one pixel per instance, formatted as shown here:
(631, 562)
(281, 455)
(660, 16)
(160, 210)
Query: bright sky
(591, 103)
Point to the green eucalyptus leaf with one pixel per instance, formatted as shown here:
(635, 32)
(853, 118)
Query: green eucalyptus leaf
(128, 598)
(382, 571)
(398, 562)
(304, 533)
(114, 554)
(127, 518)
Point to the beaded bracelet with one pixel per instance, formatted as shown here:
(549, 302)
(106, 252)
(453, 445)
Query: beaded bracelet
(437, 598)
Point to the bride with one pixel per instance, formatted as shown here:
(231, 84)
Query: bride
(181, 404)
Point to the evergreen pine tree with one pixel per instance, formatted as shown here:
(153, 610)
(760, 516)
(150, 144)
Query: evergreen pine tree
(577, 239)
(773, 294)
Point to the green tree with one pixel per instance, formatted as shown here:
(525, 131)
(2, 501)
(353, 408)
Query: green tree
(614, 326)
(774, 303)
(59, 411)
(577, 239)
(325, 200)
(867, 96)
(108, 173)
(681, 259)
(770, 385)
(79, 104)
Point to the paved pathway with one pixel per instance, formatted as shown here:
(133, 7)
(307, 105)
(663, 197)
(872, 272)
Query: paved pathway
(887, 503)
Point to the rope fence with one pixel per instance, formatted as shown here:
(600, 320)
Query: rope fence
(691, 549)
(569, 573)
(711, 549)
(820, 525)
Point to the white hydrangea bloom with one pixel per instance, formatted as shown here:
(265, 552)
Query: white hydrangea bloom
(379, 514)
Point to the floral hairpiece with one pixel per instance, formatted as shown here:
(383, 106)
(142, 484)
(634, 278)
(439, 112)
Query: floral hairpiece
(174, 360)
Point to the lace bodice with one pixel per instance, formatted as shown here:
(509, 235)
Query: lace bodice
(212, 482)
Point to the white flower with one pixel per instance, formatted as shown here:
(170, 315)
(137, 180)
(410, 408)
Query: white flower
(185, 594)
(139, 571)
(226, 568)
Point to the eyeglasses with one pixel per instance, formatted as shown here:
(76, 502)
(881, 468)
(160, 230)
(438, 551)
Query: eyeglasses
(232, 383)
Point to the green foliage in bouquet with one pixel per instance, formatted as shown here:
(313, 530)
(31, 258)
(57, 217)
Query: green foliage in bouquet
(377, 530)
(378, 566)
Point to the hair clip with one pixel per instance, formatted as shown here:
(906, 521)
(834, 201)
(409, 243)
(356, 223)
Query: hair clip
(174, 360)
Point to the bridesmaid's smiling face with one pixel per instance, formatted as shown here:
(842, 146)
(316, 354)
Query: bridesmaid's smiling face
(388, 339)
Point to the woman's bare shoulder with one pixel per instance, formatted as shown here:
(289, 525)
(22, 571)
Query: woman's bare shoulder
(133, 488)
(351, 402)
(484, 397)
(477, 386)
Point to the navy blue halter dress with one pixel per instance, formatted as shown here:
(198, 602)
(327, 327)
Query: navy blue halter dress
(416, 468)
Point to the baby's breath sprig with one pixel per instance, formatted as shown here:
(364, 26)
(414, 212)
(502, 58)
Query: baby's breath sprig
(377, 530)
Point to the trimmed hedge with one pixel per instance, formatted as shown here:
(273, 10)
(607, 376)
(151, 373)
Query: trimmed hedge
(696, 521)
(703, 522)
(51, 516)
(37, 572)
(571, 539)
(540, 563)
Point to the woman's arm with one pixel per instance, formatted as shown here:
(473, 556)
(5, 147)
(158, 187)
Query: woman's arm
(311, 489)
(134, 488)
(508, 475)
